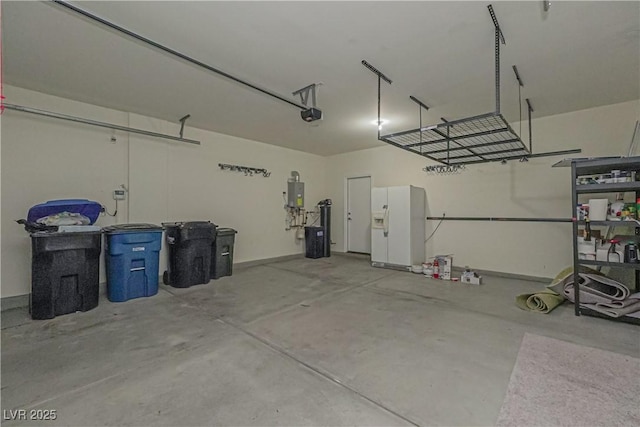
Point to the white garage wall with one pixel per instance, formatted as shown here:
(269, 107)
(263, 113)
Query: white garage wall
(45, 159)
(532, 189)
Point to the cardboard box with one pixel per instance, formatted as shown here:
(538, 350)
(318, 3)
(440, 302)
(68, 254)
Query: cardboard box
(445, 262)
(586, 250)
(471, 280)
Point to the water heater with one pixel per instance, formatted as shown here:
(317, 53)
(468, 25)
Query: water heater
(295, 191)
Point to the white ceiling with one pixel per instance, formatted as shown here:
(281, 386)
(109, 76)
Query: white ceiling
(579, 55)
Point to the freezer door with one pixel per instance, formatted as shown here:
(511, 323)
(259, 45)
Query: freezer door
(418, 225)
(379, 205)
(399, 237)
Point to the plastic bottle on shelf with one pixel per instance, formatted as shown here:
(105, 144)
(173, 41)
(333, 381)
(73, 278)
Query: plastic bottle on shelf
(613, 250)
(587, 230)
(630, 252)
(615, 211)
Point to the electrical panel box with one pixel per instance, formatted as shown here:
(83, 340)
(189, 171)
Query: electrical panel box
(295, 194)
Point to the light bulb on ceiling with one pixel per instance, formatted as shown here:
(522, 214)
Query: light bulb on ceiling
(379, 123)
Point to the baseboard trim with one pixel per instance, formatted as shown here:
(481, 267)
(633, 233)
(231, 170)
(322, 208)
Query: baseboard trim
(256, 262)
(18, 301)
(21, 301)
(459, 269)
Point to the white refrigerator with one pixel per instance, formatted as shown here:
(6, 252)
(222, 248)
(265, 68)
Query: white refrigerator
(398, 226)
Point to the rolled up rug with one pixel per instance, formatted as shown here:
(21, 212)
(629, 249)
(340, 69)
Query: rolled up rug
(631, 300)
(539, 302)
(631, 310)
(594, 289)
(547, 300)
(628, 307)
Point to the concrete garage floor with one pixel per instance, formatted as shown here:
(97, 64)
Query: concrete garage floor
(331, 341)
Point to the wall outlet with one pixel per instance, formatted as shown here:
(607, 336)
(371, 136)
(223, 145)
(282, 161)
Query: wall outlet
(119, 194)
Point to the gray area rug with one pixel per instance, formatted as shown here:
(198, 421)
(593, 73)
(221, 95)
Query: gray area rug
(556, 383)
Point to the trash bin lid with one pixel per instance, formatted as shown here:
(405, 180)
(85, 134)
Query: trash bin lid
(131, 228)
(78, 228)
(189, 224)
(85, 207)
(223, 231)
(70, 235)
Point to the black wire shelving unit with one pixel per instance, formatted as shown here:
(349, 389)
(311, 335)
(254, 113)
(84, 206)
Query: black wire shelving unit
(582, 167)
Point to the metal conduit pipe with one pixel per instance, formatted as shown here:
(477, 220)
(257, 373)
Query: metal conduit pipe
(96, 123)
(498, 219)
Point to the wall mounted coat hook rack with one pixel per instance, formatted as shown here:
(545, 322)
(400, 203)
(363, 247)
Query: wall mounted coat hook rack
(247, 170)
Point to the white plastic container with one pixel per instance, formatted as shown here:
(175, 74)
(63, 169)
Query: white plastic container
(427, 269)
(603, 254)
(598, 209)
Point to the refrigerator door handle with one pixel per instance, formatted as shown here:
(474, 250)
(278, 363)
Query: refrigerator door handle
(385, 221)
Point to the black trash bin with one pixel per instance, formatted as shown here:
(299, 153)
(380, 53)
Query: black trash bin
(314, 242)
(222, 253)
(189, 246)
(65, 272)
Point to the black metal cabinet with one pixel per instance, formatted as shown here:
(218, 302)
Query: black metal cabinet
(581, 168)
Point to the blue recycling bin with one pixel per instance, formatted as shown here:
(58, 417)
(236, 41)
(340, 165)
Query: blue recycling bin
(132, 254)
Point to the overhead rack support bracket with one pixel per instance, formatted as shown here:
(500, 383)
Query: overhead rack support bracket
(515, 71)
(529, 111)
(420, 103)
(182, 121)
(381, 76)
(305, 92)
(499, 37)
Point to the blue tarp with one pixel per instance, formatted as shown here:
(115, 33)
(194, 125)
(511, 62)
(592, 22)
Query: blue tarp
(85, 207)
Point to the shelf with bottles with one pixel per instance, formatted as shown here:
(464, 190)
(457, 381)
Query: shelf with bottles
(630, 265)
(616, 184)
(611, 223)
(604, 211)
(619, 187)
(605, 166)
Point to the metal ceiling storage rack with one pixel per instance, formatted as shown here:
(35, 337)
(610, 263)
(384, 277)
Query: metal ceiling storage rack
(477, 139)
(581, 167)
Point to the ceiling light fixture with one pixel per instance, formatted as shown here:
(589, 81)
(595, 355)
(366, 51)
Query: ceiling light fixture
(379, 123)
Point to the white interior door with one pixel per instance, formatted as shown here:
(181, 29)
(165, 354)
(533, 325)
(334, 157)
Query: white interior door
(359, 214)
